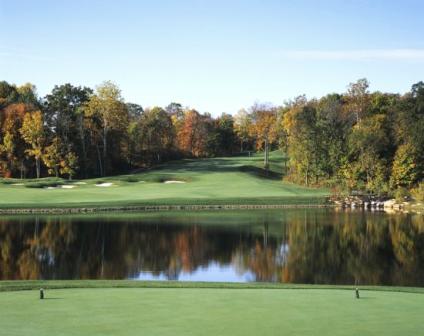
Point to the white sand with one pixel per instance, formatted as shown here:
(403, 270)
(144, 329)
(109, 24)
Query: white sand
(79, 182)
(106, 184)
(173, 181)
(66, 186)
(17, 184)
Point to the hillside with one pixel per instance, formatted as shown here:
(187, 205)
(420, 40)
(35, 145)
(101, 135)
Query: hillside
(230, 180)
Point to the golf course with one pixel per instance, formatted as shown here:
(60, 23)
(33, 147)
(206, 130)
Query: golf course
(236, 309)
(230, 180)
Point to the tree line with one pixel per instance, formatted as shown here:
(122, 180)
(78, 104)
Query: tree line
(359, 139)
(78, 131)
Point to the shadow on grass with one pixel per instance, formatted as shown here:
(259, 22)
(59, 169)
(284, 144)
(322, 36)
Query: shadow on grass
(218, 165)
(261, 172)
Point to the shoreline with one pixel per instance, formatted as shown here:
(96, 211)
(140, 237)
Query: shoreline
(154, 208)
(21, 285)
(93, 209)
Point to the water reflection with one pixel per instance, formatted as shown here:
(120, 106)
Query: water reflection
(297, 246)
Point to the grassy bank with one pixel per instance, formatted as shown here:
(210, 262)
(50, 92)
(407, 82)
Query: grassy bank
(207, 182)
(18, 285)
(232, 309)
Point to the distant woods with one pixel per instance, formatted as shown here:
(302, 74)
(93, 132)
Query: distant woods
(358, 140)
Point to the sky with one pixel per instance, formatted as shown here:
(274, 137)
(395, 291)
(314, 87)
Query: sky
(216, 56)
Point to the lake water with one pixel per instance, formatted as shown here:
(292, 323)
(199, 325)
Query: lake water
(314, 246)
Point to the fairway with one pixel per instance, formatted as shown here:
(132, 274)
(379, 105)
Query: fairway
(203, 311)
(233, 180)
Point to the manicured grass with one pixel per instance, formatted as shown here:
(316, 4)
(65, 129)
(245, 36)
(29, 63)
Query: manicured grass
(234, 180)
(210, 311)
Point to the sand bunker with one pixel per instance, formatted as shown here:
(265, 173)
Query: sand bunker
(17, 184)
(106, 184)
(173, 181)
(79, 182)
(66, 186)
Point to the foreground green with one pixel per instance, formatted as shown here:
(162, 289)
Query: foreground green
(235, 180)
(210, 311)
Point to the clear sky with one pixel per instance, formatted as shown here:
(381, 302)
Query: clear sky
(215, 55)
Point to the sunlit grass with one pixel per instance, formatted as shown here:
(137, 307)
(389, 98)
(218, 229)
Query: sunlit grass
(232, 180)
(210, 311)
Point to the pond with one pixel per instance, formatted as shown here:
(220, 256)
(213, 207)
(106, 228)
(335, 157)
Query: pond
(313, 246)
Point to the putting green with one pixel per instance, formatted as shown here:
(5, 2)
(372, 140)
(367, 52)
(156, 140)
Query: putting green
(235, 180)
(207, 311)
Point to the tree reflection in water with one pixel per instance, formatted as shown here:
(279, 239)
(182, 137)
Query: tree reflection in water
(297, 246)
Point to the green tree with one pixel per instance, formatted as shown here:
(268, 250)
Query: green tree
(332, 128)
(27, 94)
(134, 111)
(156, 131)
(368, 143)
(221, 136)
(64, 118)
(8, 94)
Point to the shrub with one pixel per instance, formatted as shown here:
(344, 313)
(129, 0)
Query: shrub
(131, 179)
(418, 192)
(402, 194)
(8, 181)
(43, 182)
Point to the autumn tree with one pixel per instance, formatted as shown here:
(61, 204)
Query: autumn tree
(405, 168)
(69, 164)
(33, 133)
(358, 98)
(12, 146)
(243, 127)
(300, 124)
(111, 113)
(53, 156)
(408, 124)
(192, 133)
(265, 129)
